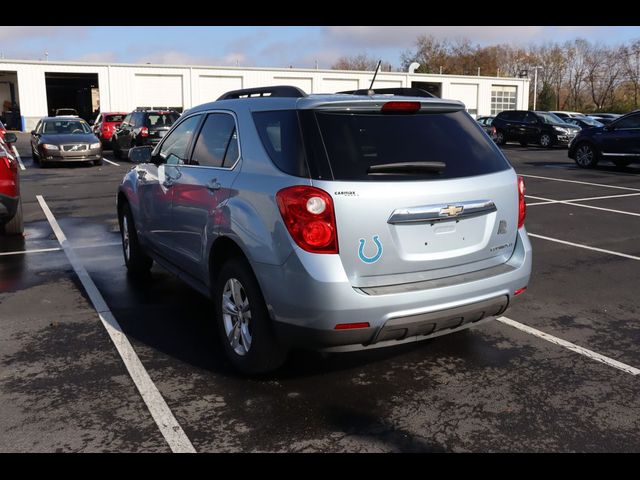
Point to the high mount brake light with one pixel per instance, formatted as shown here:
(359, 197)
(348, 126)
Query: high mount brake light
(401, 107)
(308, 214)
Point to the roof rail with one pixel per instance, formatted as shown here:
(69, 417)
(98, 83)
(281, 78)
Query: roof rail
(276, 91)
(405, 92)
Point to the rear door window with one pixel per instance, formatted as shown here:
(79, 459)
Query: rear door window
(217, 144)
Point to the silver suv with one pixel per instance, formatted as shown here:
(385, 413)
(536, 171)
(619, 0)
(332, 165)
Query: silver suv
(337, 222)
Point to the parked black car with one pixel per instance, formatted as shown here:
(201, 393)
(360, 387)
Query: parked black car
(141, 127)
(527, 126)
(618, 142)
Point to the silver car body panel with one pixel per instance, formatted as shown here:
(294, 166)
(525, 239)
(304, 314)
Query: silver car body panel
(425, 266)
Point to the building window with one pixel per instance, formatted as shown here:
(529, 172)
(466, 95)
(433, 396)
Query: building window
(503, 97)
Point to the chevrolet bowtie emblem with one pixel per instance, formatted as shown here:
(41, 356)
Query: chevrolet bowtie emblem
(450, 211)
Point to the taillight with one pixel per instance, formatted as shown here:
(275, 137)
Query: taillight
(401, 107)
(493, 131)
(308, 214)
(7, 161)
(144, 132)
(522, 206)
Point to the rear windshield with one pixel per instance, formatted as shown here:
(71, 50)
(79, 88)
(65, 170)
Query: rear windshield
(114, 118)
(65, 127)
(342, 146)
(160, 119)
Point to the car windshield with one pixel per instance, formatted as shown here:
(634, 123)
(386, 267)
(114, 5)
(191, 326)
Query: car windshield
(591, 122)
(114, 118)
(548, 117)
(65, 127)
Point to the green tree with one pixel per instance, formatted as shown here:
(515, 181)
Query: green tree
(546, 98)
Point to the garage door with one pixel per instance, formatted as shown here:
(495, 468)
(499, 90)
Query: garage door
(333, 85)
(158, 91)
(467, 94)
(305, 84)
(211, 87)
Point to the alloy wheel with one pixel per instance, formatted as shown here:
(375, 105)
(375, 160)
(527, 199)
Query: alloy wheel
(126, 242)
(236, 316)
(585, 156)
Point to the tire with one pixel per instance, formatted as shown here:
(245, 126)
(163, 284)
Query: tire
(500, 140)
(622, 163)
(545, 141)
(586, 156)
(97, 163)
(15, 226)
(116, 151)
(248, 340)
(138, 263)
(34, 156)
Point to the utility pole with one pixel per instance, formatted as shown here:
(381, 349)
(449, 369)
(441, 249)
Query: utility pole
(46, 55)
(478, 71)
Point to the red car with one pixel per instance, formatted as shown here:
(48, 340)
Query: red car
(10, 204)
(105, 124)
(3, 130)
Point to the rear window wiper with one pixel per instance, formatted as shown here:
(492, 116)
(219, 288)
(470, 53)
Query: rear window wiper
(408, 167)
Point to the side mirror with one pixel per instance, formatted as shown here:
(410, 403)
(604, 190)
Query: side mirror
(608, 127)
(140, 154)
(10, 137)
(33, 132)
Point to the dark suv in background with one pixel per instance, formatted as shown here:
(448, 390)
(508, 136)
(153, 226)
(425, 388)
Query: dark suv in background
(527, 126)
(141, 127)
(618, 142)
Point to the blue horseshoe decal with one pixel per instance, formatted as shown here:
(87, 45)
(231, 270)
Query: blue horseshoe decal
(378, 254)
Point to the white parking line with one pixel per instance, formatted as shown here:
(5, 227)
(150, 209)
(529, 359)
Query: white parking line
(601, 250)
(15, 150)
(112, 163)
(167, 423)
(24, 252)
(574, 348)
(583, 183)
(567, 202)
(584, 199)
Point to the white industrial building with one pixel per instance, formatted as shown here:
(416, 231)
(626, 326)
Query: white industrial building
(30, 90)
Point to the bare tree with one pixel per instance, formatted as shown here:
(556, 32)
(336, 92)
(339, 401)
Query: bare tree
(631, 62)
(604, 70)
(577, 53)
(361, 61)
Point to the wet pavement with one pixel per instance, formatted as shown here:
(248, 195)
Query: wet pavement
(64, 387)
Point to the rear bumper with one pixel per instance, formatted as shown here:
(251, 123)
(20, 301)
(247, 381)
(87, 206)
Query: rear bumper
(8, 207)
(307, 306)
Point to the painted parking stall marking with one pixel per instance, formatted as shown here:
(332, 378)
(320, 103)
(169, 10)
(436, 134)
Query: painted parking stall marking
(112, 163)
(545, 201)
(162, 415)
(581, 182)
(571, 346)
(595, 249)
(25, 252)
(15, 151)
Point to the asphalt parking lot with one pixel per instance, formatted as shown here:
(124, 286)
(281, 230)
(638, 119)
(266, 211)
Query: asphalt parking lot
(560, 373)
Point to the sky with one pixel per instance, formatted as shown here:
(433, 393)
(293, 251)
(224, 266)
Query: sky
(265, 46)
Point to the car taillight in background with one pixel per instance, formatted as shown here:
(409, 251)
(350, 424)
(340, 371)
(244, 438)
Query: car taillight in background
(522, 206)
(144, 132)
(309, 216)
(493, 131)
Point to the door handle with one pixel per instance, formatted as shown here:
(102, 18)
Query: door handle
(213, 185)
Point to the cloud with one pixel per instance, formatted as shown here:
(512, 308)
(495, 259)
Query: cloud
(404, 37)
(9, 34)
(99, 57)
(174, 57)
